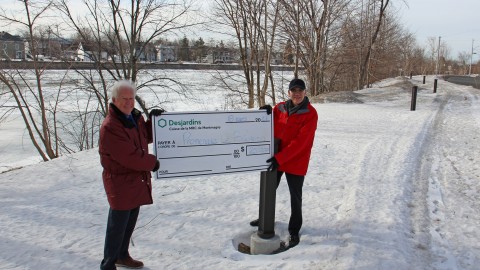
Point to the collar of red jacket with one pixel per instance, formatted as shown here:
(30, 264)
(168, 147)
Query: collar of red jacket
(299, 109)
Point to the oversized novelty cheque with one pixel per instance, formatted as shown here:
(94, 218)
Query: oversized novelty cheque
(206, 143)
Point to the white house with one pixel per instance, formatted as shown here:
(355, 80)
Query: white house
(166, 53)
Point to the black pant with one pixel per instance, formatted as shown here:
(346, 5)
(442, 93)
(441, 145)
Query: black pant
(295, 185)
(120, 226)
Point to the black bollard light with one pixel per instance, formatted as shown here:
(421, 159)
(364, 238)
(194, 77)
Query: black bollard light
(435, 85)
(424, 79)
(268, 193)
(414, 98)
(266, 215)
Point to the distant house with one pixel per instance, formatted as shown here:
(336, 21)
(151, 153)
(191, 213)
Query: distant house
(148, 54)
(51, 47)
(11, 47)
(276, 58)
(166, 53)
(91, 53)
(88, 53)
(74, 52)
(221, 56)
(58, 48)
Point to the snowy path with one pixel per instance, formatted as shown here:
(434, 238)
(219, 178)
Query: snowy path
(454, 181)
(387, 189)
(390, 198)
(385, 147)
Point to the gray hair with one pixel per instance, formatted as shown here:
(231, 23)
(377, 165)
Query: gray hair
(122, 84)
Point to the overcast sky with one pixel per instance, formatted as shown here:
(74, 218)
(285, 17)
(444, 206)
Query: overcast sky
(456, 21)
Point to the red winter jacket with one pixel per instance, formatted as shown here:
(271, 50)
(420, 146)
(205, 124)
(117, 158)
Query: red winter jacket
(125, 159)
(296, 133)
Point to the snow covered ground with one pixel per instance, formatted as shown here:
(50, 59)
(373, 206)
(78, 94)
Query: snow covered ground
(387, 188)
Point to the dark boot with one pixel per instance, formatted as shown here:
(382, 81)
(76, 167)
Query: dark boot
(129, 263)
(254, 223)
(294, 240)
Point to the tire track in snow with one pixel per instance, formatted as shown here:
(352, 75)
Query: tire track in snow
(378, 210)
(421, 205)
(437, 244)
(453, 184)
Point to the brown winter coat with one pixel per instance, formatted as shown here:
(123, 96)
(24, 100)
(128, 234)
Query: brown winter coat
(125, 159)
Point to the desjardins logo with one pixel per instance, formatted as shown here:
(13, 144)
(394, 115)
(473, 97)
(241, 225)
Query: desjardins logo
(192, 122)
(162, 123)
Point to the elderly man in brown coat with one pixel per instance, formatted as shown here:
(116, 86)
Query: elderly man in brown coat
(123, 148)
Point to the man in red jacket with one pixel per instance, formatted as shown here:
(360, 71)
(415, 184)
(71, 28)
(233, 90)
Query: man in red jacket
(123, 148)
(294, 122)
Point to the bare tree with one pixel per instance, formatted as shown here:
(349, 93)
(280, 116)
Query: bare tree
(464, 61)
(444, 55)
(84, 120)
(361, 30)
(7, 109)
(393, 53)
(118, 34)
(313, 27)
(375, 11)
(37, 107)
(254, 25)
(305, 24)
(408, 59)
(436, 55)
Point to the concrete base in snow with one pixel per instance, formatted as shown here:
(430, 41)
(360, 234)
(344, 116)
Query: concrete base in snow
(263, 246)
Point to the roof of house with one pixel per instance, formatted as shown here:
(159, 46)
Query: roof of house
(4, 36)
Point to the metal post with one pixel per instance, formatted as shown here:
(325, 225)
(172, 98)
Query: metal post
(414, 98)
(437, 66)
(435, 86)
(411, 74)
(424, 79)
(471, 58)
(268, 186)
(268, 193)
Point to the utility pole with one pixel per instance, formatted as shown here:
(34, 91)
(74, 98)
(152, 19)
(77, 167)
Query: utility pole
(438, 56)
(471, 59)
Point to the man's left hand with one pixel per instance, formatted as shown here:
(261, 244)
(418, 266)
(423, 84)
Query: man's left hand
(157, 166)
(273, 165)
(155, 112)
(268, 108)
